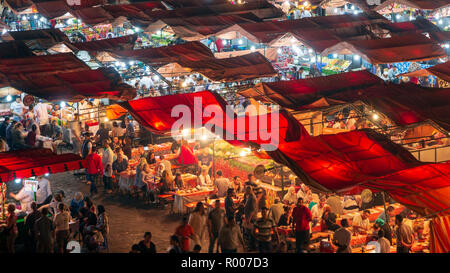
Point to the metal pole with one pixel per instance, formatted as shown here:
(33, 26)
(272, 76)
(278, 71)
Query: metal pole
(384, 205)
(282, 180)
(214, 159)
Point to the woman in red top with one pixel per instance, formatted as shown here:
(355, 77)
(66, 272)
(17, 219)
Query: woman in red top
(11, 228)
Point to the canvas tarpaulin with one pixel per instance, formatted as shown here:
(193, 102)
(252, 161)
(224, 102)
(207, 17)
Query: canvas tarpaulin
(403, 48)
(41, 39)
(439, 234)
(18, 5)
(34, 162)
(345, 162)
(416, 4)
(250, 66)
(119, 43)
(190, 51)
(441, 71)
(76, 86)
(14, 49)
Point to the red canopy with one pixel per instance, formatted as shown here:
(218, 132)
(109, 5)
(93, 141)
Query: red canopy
(41, 39)
(76, 86)
(119, 43)
(190, 51)
(34, 162)
(411, 47)
(250, 66)
(19, 5)
(14, 49)
(417, 4)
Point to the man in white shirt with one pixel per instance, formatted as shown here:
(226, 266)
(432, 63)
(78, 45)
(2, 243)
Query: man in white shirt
(276, 210)
(361, 222)
(41, 113)
(17, 108)
(44, 192)
(204, 179)
(222, 184)
(25, 197)
(317, 211)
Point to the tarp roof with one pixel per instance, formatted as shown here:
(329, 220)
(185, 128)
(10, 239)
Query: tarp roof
(411, 47)
(343, 162)
(33, 162)
(441, 71)
(14, 49)
(19, 5)
(76, 86)
(250, 66)
(190, 51)
(417, 4)
(119, 43)
(41, 39)
(404, 104)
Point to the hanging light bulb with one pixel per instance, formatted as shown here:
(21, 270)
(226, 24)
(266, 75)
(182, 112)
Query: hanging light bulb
(224, 42)
(156, 78)
(106, 119)
(69, 22)
(240, 42)
(252, 48)
(136, 29)
(63, 104)
(397, 16)
(335, 55)
(47, 174)
(9, 98)
(35, 17)
(335, 10)
(131, 63)
(185, 132)
(446, 45)
(356, 57)
(24, 18)
(117, 63)
(4, 31)
(42, 19)
(17, 181)
(352, 7)
(375, 116)
(355, 12)
(440, 22)
(279, 51)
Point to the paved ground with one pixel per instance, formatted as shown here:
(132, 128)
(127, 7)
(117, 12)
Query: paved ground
(129, 218)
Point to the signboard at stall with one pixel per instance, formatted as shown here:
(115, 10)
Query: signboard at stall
(31, 185)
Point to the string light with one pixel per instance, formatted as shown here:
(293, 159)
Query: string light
(9, 98)
(375, 116)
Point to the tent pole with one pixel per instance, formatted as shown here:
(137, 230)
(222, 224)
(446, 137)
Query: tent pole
(384, 205)
(214, 159)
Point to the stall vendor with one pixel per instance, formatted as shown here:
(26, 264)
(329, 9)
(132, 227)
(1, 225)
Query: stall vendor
(185, 155)
(361, 223)
(17, 109)
(205, 160)
(204, 179)
(25, 197)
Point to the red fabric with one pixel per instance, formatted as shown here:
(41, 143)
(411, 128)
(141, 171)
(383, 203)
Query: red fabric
(52, 9)
(190, 51)
(119, 43)
(14, 49)
(188, 156)
(31, 139)
(19, 5)
(94, 164)
(22, 164)
(185, 232)
(439, 239)
(301, 216)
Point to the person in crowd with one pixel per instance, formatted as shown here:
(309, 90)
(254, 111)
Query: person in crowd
(182, 234)
(205, 160)
(351, 120)
(135, 249)
(76, 204)
(40, 112)
(10, 228)
(197, 249)
(230, 236)
(146, 245)
(17, 109)
(178, 181)
(260, 193)
(335, 204)
(392, 74)
(175, 245)
(86, 147)
(130, 129)
(290, 197)
(44, 193)
(3, 146)
(262, 231)
(107, 162)
(250, 211)
(55, 131)
(317, 211)
(339, 122)
(350, 204)
(237, 184)
(285, 218)
(25, 197)
(221, 184)
(314, 71)
(215, 222)
(404, 235)
(54, 203)
(30, 139)
(328, 221)
(361, 223)
(75, 128)
(301, 217)
(94, 170)
(382, 225)
(164, 165)
(141, 172)
(61, 222)
(385, 244)
(276, 210)
(18, 137)
(116, 143)
(44, 229)
(230, 207)
(103, 224)
(342, 238)
(102, 134)
(9, 131)
(166, 181)
(29, 227)
(127, 147)
(116, 130)
(151, 158)
(204, 179)
(3, 127)
(390, 213)
(120, 164)
(198, 221)
(251, 181)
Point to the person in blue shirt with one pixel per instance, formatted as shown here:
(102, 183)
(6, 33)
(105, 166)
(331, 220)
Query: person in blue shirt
(76, 204)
